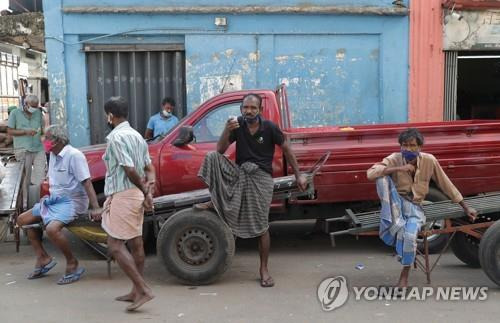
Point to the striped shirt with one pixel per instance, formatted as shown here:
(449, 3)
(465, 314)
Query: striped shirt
(126, 147)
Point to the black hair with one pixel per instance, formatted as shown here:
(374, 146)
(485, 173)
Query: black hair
(409, 134)
(255, 95)
(117, 106)
(168, 100)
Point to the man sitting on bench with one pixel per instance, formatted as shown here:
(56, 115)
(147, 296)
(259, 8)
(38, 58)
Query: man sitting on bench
(70, 192)
(402, 181)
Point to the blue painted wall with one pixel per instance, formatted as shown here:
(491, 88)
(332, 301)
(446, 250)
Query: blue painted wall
(159, 3)
(340, 69)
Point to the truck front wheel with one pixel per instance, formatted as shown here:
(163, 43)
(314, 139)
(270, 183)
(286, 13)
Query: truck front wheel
(195, 246)
(489, 252)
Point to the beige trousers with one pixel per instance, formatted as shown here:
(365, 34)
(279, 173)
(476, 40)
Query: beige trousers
(34, 169)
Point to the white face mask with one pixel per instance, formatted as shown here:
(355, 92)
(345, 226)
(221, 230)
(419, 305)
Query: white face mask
(31, 109)
(166, 114)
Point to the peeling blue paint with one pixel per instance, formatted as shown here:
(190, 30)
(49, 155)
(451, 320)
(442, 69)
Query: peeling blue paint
(103, 3)
(55, 62)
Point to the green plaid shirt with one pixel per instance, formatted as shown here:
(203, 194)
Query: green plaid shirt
(126, 147)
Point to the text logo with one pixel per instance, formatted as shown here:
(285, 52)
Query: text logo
(333, 293)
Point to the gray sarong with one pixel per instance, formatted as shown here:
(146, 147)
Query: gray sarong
(241, 194)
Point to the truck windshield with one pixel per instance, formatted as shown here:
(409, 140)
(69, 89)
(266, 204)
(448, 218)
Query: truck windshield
(210, 126)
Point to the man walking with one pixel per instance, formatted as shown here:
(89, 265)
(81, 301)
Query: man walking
(129, 185)
(241, 193)
(70, 191)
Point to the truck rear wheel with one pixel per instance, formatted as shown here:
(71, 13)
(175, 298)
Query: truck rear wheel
(436, 241)
(195, 246)
(489, 252)
(466, 248)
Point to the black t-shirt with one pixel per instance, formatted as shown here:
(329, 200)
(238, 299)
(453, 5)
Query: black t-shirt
(257, 148)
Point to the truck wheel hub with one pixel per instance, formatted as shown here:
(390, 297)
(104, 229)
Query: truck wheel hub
(195, 246)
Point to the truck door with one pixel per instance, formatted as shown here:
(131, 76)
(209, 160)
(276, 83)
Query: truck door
(181, 164)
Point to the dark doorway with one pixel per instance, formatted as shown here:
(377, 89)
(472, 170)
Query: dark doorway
(478, 90)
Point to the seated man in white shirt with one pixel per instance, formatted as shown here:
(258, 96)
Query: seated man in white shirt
(70, 191)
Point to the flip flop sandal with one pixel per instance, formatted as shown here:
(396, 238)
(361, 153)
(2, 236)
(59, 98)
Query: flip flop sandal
(41, 271)
(267, 283)
(71, 278)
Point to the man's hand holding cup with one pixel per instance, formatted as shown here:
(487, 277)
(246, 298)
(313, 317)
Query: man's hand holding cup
(232, 123)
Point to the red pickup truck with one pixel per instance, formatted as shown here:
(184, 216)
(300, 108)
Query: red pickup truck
(469, 152)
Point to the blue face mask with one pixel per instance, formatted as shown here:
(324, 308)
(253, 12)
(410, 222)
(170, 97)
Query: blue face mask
(409, 155)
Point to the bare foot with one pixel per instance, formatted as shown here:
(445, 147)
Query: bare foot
(141, 300)
(204, 206)
(403, 278)
(126, 298)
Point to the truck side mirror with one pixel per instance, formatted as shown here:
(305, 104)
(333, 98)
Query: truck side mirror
(185, 136)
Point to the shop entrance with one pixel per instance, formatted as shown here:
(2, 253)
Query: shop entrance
(478, 90)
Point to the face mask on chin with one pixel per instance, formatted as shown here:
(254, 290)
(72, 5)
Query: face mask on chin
(252, 120)
(166, 114)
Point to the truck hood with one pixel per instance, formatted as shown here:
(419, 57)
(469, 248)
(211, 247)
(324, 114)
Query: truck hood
(94, 159)
(93, 148)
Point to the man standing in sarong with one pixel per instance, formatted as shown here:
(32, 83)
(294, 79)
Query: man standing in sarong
(71, 191)
(129, 185)
(241, 193)
(402, 181)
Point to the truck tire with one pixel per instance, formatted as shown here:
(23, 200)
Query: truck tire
(195, 246)
(466, 248)
(436, 241)
(489, 252)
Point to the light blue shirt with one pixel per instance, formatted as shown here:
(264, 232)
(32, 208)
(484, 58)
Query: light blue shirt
(67, 171)
(161, 125)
